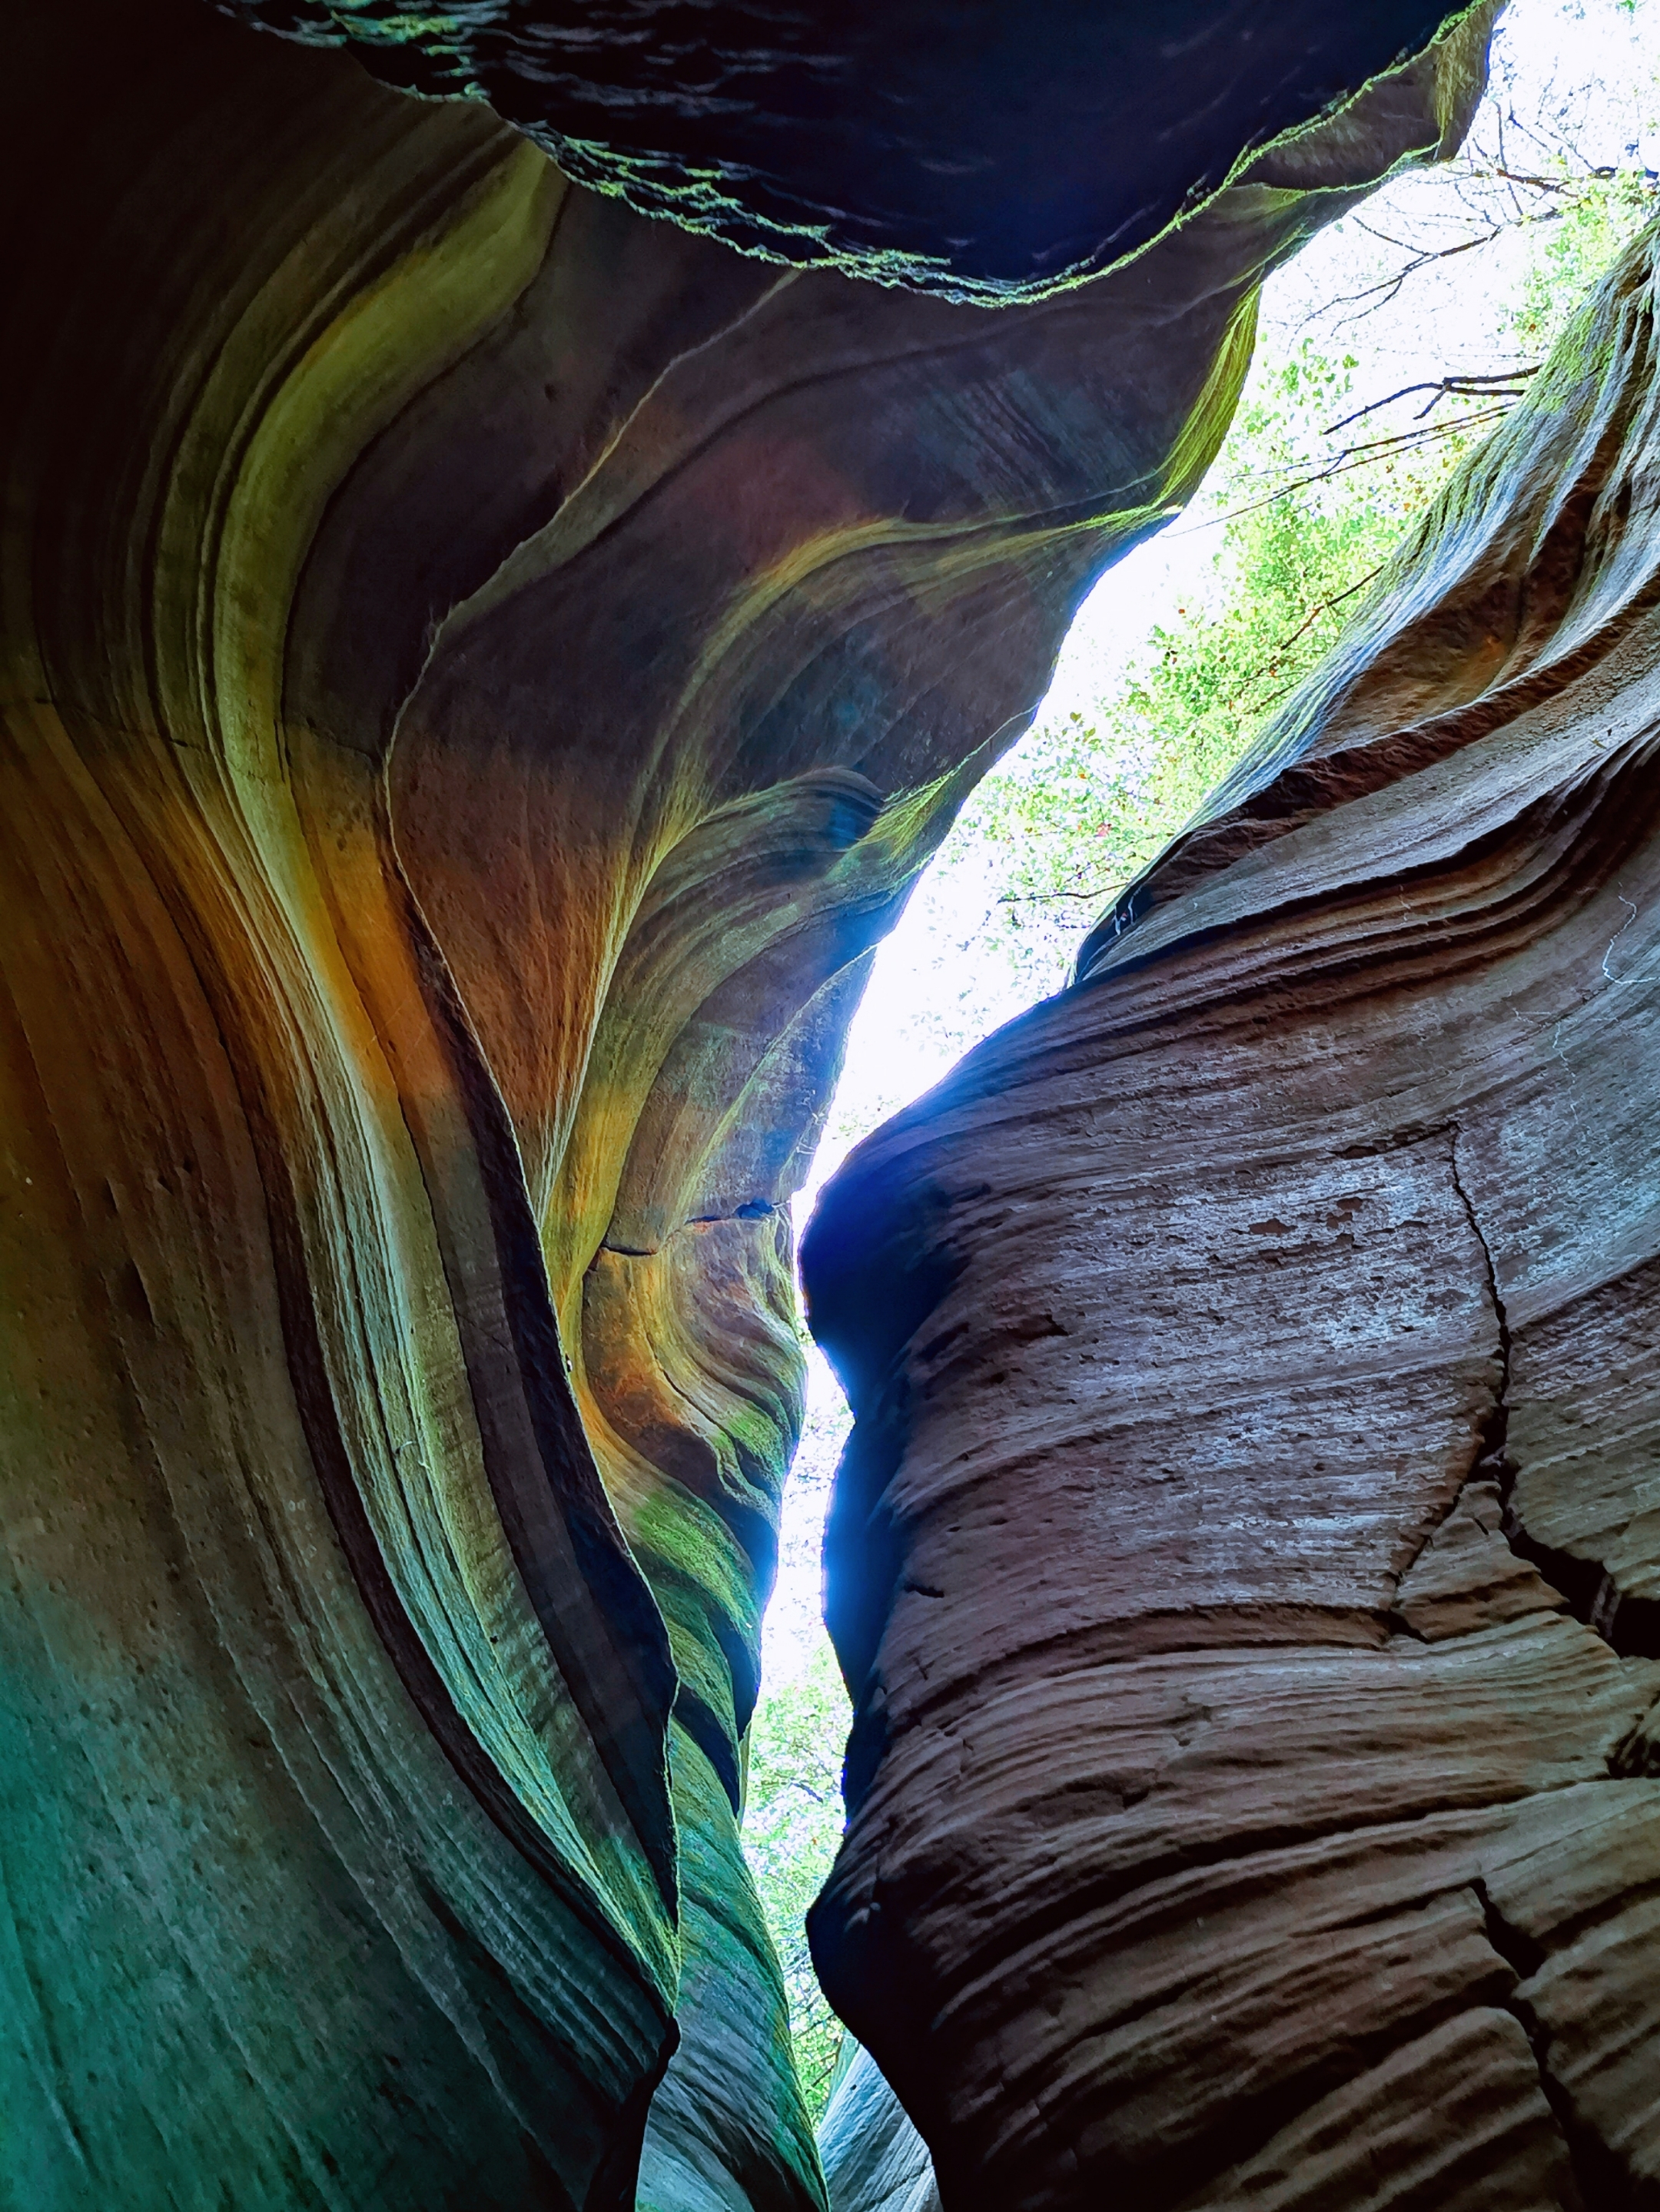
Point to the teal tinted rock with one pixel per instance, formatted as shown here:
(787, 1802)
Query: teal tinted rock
(874, 2159)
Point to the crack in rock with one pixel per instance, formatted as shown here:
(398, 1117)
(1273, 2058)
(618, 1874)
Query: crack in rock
(1602, 2181)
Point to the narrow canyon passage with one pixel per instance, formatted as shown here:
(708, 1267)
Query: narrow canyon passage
(522, 528)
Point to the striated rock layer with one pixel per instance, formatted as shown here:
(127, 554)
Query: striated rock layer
(481, 670)
(1246, 1557)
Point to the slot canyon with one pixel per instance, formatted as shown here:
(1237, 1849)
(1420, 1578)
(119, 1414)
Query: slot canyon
(524, 524)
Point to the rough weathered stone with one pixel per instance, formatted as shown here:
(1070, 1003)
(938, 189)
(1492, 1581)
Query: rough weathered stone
(1244, 1542)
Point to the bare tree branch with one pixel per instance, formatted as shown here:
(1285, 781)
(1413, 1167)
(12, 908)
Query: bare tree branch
(1501, 384)
(1353, 458)
(1389, 287)
(1314, 613)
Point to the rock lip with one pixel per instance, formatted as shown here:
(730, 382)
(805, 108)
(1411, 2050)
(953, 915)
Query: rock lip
(836, 136)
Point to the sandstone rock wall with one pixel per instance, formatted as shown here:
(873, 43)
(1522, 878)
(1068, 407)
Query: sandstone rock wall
(481, 670)
(1245, 1555)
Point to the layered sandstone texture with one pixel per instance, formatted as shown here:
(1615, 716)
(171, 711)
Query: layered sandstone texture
(483, 667)
(1247, 1557)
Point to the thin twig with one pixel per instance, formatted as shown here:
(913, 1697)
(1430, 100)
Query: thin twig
(1390, 285)
(1353, 458)
(1046, 898)
(1336, 599)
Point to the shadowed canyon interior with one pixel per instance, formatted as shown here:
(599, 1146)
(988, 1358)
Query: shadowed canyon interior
(486, 664)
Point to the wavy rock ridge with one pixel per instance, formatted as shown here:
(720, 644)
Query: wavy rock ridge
(1245, 1555)
(482, 669)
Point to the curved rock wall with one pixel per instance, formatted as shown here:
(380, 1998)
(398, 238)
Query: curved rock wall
(482, 669)
(1245, 1557)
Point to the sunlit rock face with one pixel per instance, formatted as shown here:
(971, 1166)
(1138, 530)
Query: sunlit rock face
(1247, 1556)
(483, 667)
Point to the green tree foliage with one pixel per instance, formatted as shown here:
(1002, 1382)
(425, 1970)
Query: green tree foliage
(1589, 217)
(1301, 528)
(792, 1826)
(1306, 501)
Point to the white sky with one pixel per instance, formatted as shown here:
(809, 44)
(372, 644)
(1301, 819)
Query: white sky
(1594, 60)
